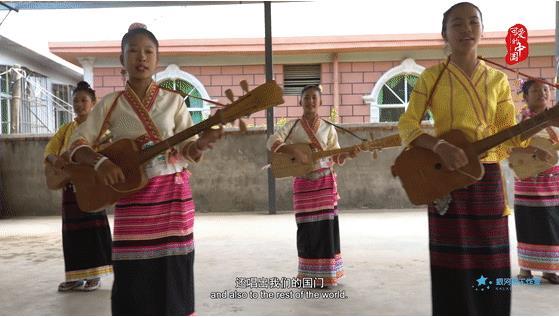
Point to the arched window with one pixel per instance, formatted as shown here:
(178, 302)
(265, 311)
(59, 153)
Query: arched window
(390, 95)
(174, 78)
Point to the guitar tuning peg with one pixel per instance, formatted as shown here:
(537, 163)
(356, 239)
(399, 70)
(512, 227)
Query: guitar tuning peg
(242, 125)
(229, 94)
(244, 85)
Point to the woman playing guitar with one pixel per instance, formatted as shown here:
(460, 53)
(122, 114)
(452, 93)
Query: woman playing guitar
(536, 206)
(86, 237)
(315, 195)
(153, 248)
(468, 229)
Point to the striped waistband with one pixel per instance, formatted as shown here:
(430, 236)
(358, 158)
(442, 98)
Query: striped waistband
(314, 175)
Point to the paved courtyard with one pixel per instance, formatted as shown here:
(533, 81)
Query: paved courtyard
(385, 254)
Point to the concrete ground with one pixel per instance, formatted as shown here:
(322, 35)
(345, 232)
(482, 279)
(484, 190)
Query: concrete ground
(385, 254)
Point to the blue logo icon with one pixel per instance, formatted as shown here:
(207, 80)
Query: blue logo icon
(482, 284)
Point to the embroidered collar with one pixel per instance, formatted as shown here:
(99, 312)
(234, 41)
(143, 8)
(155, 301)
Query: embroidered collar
(313, 123)
(142, 108)
(311, 128)
(149, 96)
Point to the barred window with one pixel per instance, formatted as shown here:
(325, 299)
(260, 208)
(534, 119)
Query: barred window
(62, 113)
(34, 110)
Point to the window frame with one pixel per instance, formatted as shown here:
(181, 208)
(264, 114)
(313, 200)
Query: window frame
(59, 108)
(173, 72)
(407, 67)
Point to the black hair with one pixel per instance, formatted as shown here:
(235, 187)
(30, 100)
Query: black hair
(527, 84)
(449, 11)
(311, 87)
(135, 31)
(84, 86)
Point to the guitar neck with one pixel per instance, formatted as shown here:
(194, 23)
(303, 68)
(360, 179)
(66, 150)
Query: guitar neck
(323, 154)
(260, 98)
(525, 128)
(151, 152)
(389, 141)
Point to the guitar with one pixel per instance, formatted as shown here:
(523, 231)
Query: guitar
(55, 178)
(93, 195)
(527, 165)
(285, 165)
(422, 172)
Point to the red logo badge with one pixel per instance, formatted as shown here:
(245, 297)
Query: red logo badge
(517, 44)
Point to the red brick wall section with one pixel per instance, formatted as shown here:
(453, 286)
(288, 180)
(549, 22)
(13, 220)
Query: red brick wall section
(356, 79)
(541, 66)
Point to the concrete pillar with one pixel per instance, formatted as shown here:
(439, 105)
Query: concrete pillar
(270, 111)
(336, 88)
(87, 65)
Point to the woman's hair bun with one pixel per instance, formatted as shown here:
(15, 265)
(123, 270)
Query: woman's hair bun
(83, 85)
(137, 25)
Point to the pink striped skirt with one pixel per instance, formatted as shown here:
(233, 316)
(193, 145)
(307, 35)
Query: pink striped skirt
(315, 202)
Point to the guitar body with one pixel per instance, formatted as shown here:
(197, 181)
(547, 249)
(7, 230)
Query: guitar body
(92, 194)
(285, 165)
(55, 178)
(527, 165)
(425, 179)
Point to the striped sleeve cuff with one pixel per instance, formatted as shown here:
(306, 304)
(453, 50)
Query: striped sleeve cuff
(276, 146)
(78, 144)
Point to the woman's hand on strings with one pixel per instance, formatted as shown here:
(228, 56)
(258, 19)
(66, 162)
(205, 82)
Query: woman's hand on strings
(208, 138)
(110, 173)
(452, 156)
(351, 154)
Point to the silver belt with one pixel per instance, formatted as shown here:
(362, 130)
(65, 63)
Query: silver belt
(317, 174)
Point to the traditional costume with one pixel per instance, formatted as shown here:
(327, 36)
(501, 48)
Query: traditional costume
(153, 245)
(86, 237)
(468, 235)
(536, 209)
(315, 201)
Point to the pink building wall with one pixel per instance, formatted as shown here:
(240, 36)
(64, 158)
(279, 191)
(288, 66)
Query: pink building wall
(356, 79)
